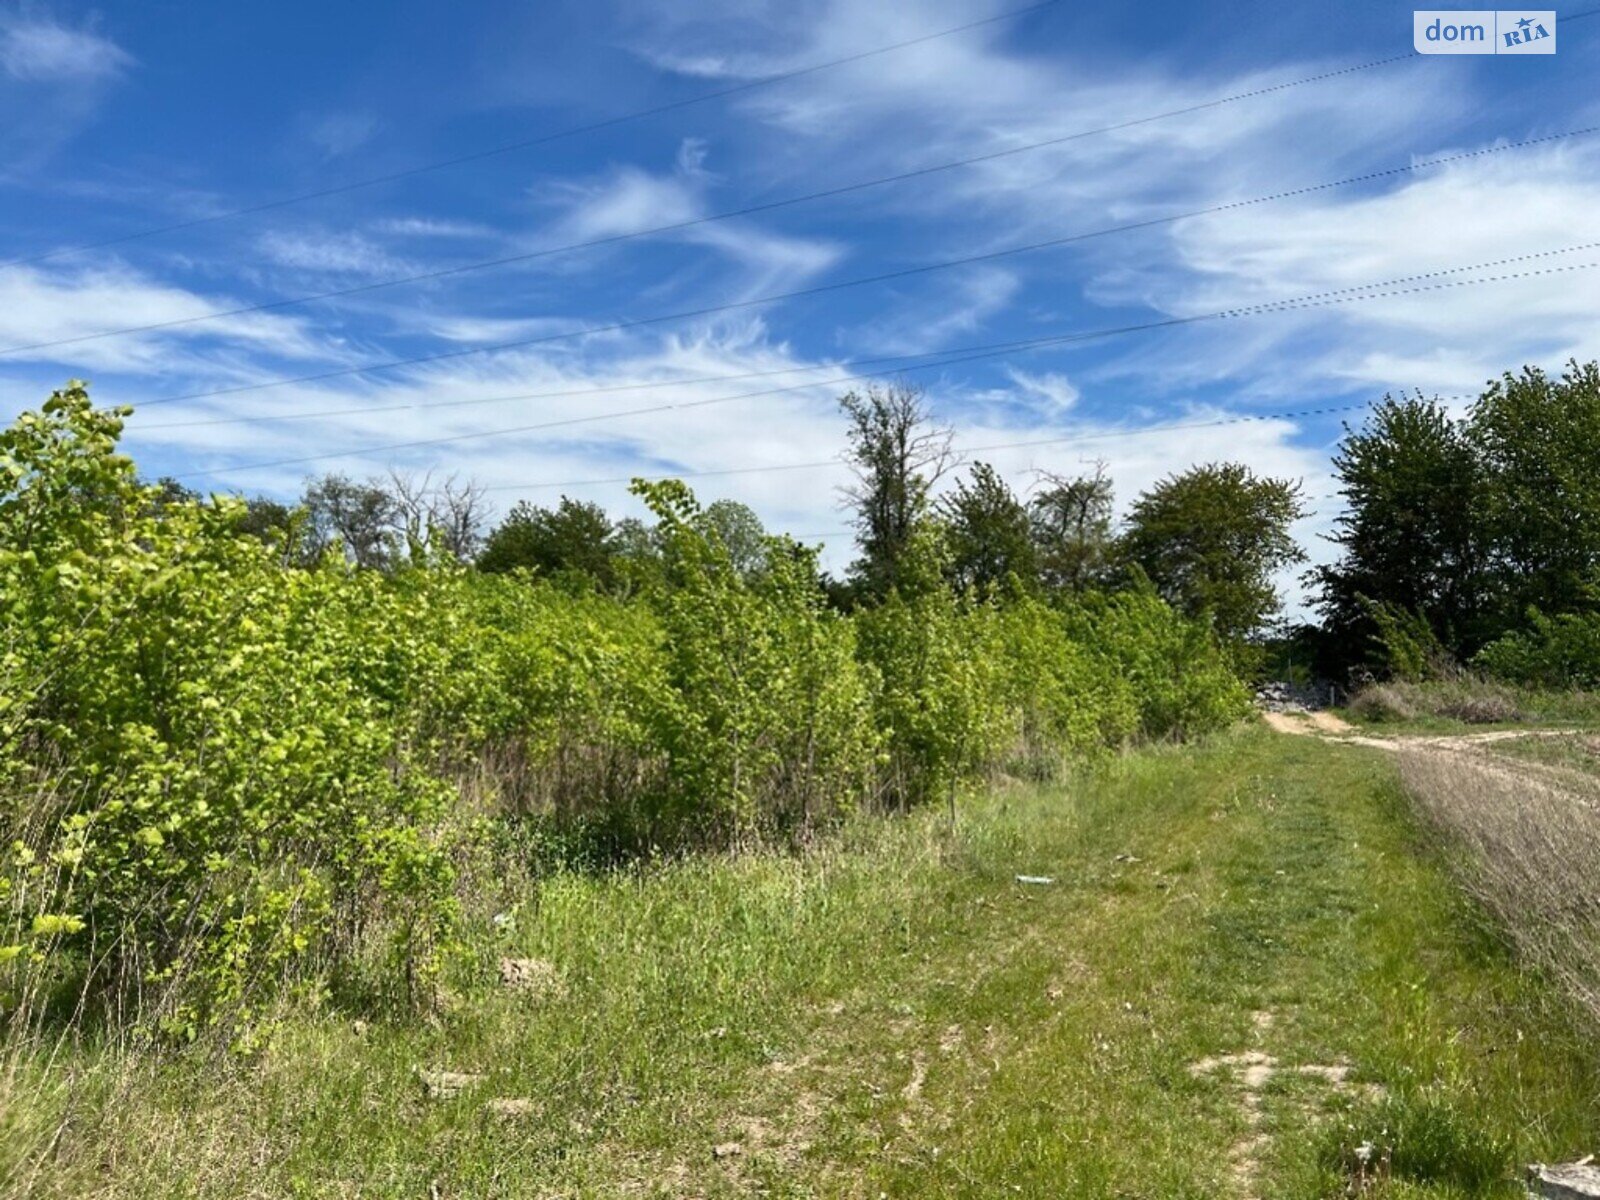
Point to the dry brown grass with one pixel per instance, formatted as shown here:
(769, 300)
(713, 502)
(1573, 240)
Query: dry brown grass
(1466, 699)
(1528, 849)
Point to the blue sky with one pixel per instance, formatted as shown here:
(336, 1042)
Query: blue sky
(118, 119)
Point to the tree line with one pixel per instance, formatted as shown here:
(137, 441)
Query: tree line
(1455, 532)
(1209, 540)
(1460, 532)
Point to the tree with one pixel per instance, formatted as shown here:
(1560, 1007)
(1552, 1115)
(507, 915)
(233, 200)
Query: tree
(639, 555)
(1071, 523)
(1538, 445)
(360, 517)
(988, 533)
(898, 454)
(1410, 537)
(447, 516)
(1211, 540)
(739, 530)
(265, 518)
(167, 493)
(574, 540)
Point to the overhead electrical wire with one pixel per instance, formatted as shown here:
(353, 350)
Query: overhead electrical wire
(859, 281)
(528, 143)
(1339, 296)
(939, 358)
(840, 285)
(673, 106)
(634, 235)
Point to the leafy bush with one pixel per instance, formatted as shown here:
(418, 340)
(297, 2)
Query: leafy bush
(225, 762)
(765, 713)
(1562, 651)
(1408, 648)
(1182, 682)
(938, 701)
(1068, 699)
(203, 745)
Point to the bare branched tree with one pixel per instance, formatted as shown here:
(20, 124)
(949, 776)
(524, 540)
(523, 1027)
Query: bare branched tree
(382, 522)
(898, 453)
(449, 515)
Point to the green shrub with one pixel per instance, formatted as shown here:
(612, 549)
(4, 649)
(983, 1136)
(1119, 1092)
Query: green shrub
(1409, 648)
(764, 717)
(202, 745)
(939, 702)
(1562, 651)
(1068, 699)
(1179, 676)
(224, 765)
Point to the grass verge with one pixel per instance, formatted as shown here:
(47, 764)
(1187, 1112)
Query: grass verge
(1247, 972)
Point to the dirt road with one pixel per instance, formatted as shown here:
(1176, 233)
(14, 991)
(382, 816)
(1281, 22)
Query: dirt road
(1468, 749)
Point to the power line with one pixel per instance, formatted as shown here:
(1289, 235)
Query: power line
(1071, 439)
(471, 401)
(821, 289)
(840, 285)
(679, 226)
(943, 358)
(672, 106)
(1315, 300)
(527, 143)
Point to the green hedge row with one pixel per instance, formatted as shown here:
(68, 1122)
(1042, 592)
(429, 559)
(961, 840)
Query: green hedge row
(219, 769)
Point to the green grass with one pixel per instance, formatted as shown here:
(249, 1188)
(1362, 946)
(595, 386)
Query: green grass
(892, 1014)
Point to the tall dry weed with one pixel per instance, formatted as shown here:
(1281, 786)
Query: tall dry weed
(1528, 849)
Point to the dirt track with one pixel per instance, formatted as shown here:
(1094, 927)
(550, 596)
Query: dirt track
(1461, 747)
(1327, 725)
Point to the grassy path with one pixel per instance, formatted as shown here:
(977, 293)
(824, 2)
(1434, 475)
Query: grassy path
(1243, 970)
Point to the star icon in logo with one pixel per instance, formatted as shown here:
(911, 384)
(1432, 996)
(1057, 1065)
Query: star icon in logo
(1523, 24)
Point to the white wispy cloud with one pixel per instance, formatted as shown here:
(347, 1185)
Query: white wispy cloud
(342, 253)
(1053, 387)
(922, 321)
(54, 77)
(1484, 210)
(336, 134)
(35, 49)
(431, 227)
(626, 200)
(629, 200)
(50, 304)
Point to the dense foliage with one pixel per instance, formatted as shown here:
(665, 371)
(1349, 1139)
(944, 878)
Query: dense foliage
(1562, 651)
(233, 750)
(1467, 525)
(1212, 539)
